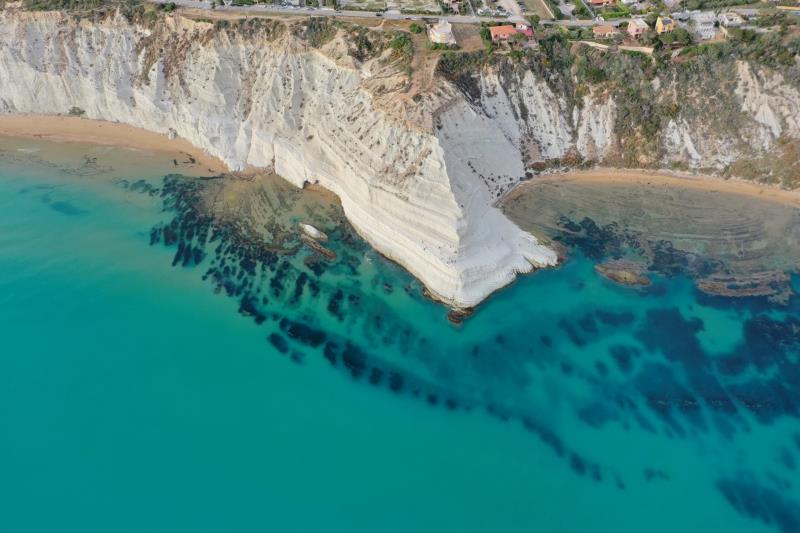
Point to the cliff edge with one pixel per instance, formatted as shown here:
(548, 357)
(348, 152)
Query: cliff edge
(287, 96)
(418, 160)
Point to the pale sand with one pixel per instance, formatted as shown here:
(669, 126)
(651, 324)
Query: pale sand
(59, 128)
(666, 178)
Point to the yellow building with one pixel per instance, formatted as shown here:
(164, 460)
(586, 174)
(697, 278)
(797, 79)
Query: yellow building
(665, 25)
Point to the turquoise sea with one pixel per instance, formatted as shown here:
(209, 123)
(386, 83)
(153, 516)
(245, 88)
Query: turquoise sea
(249, 390)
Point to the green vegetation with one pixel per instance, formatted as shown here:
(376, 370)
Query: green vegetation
(403, 44)
(554, 52)
(578, 34)
(708, 73)
(52, 5)
(263, 28)
(453, 65)
(317, 31)
(553, 5)
(768, 20)
(616, 11)
(714, 4)
(441, 46)
(773, 49)
(416, 28)
(363, 47)
(581, 11)
(461, 69)
(76, 112)
(679, 36)
(590, 73)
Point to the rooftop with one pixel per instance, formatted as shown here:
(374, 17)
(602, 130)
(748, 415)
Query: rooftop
(502, 32)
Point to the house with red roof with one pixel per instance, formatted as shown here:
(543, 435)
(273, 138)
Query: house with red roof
(507, 32)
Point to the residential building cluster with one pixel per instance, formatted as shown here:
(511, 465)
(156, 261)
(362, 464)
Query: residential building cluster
(703, 24)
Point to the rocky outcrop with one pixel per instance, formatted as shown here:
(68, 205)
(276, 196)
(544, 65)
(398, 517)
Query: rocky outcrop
(742, 115)
(703, 116)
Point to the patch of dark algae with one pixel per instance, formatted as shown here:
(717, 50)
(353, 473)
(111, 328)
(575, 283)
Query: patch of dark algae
(250, 250)
(262, 263)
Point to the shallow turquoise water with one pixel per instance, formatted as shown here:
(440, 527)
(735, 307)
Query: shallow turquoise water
(135, 398)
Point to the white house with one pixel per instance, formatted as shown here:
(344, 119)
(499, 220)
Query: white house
(730, 19)
(441, 33)
(704, 25)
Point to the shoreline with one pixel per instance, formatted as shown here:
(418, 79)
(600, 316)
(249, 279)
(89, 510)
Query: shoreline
(607, 175)
(69, 129)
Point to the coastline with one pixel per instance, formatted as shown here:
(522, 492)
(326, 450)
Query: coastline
(605, 175)
(62, 128)
(69, 129)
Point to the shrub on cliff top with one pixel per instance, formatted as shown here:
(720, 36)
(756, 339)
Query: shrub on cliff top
(52, 5)
(316, 30)
(403, 44)
(362, 47)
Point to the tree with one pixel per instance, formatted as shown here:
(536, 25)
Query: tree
(486, 34)
(682, 36)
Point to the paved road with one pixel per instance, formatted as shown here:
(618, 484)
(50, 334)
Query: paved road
(328, 12)
(390, 15)
(322, 12)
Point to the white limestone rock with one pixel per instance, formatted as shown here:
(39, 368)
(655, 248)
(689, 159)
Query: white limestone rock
(418, 180)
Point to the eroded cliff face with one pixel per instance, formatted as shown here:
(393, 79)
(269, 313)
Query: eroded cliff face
(721, 117)
(418, 178)
(270, 100)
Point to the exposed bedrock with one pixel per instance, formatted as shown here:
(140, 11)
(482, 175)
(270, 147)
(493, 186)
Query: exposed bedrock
(418, 179)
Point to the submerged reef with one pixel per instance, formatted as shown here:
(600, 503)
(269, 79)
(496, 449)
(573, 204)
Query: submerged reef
(612, 368)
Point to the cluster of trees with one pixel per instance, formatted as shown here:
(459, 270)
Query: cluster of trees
(714, 4)
(679, 36)
(50, 5)
(402, 43)
(581, 11)
(317, 31)
(125, 5)
(784, 20)
(777, 49)
(553, 5)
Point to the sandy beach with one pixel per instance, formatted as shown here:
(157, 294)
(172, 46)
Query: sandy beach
(666, 179)
(60, 128)
(748, 227)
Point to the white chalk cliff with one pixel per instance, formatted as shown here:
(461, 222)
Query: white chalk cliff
(282, 105)
(417, 180)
